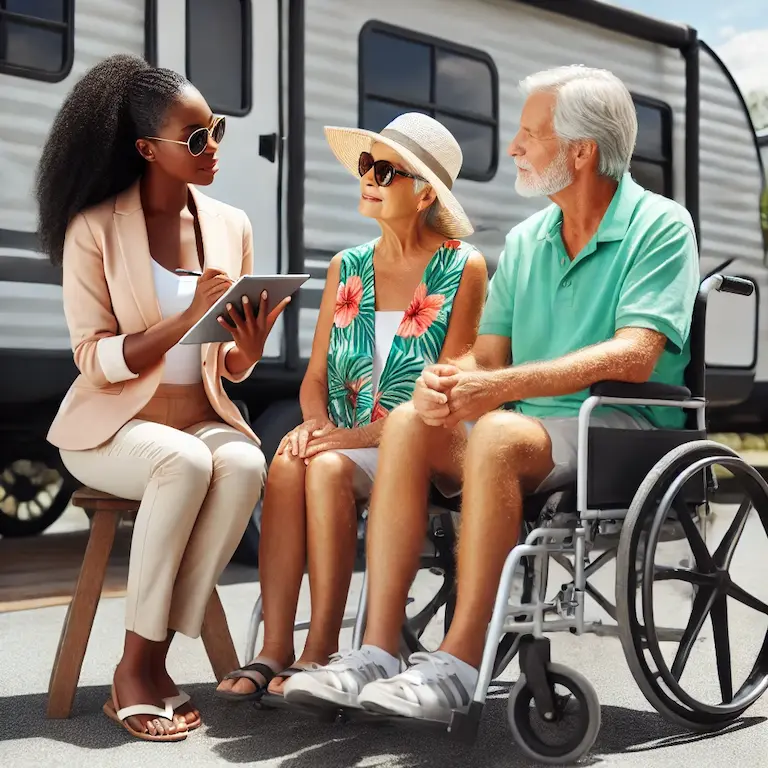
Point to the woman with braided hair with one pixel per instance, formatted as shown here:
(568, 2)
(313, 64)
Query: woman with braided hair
(148, 418)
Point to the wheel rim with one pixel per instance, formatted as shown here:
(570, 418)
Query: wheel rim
(530, 724)
(636, 634)
(28, 489)
(714, 587)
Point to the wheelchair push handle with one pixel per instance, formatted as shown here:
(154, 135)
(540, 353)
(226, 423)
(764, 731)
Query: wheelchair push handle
(725, 284)
(737, 285)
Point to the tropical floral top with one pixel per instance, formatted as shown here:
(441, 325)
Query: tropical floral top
(417, 343)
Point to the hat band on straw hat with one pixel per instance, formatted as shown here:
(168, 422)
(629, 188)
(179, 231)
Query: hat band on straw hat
(421, 153)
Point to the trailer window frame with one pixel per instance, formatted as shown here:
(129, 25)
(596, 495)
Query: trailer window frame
(663, 158)
(433, 107)
(67, 29)
(246, 62)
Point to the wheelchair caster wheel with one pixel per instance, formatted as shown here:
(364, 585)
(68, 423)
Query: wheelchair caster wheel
(567, 736)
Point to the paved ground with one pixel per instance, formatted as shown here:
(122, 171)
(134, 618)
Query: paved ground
(631, 735)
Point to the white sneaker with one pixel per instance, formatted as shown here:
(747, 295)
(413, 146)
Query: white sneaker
(339, 682)
(429, 690)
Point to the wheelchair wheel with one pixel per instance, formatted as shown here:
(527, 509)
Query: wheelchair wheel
(664, 498)
(572, 732)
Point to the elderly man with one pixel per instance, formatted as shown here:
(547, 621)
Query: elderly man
(599, 285)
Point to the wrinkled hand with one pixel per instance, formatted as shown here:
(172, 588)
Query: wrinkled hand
(471, 395)
(430, 396)
(249, 330)
(211, 286)
(296, 440)
(333, 438)
(446, 398)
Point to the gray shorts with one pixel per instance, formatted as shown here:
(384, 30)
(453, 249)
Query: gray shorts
(563, 433)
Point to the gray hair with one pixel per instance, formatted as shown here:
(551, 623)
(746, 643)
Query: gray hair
(591, 104)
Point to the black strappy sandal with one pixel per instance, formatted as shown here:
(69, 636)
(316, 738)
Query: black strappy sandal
(249, 672)
(285, 675)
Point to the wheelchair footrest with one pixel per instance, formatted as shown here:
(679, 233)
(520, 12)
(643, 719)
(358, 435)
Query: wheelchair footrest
(463, 726)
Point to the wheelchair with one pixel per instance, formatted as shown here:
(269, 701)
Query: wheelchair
(635, 490)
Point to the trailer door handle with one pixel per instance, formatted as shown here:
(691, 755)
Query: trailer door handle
(268, 146)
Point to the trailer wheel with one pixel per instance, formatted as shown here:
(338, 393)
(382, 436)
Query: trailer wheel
(33, 495)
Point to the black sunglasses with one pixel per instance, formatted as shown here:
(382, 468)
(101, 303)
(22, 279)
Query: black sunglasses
(198, 140)
(383, 171)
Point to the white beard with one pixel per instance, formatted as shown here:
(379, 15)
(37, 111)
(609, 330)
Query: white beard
(553, 179)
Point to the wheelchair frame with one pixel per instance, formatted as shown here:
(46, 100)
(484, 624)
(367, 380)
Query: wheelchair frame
(527, 620)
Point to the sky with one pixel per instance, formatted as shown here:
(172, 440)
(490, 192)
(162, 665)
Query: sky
(736, 29)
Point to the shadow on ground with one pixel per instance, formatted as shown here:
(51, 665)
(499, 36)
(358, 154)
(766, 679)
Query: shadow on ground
(241, 734)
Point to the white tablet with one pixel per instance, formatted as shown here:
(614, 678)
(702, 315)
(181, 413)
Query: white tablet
(208, 329)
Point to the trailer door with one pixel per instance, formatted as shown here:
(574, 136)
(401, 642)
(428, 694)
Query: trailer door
(230, 50)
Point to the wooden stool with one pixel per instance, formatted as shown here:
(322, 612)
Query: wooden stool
(105, 512)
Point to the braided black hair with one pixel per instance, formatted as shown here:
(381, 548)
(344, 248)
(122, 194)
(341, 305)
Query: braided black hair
(91, 152)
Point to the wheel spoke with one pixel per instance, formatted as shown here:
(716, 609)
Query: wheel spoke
(692, 533)
(702, 604)
(683, 574)
(725, 551)
(737, 593)
(722, 647)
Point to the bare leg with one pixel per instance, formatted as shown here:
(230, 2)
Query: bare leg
(331, 545)
(134, 682)
(282, 556)
(186, 713)
(410, 453)
(508, 455)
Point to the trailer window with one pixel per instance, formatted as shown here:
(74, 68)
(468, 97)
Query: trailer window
(37, 38)
(219, 53)
(404, 71)
(652, 161)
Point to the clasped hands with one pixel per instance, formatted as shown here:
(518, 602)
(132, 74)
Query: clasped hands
(317, 435)
(445, 395)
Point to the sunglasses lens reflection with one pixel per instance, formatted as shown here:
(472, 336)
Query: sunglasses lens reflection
(365, 163)
(218, 130)
(198, 141)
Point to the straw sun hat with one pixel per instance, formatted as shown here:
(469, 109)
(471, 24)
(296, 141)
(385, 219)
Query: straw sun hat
(426, 146)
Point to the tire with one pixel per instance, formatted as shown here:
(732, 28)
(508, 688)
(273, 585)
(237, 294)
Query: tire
(519, 712)
(31, 486)
(642, 509)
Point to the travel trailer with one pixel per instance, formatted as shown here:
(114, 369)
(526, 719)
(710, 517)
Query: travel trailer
(282, 70)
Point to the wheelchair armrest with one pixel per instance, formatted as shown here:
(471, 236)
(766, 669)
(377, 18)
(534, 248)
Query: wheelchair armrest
(649, 390)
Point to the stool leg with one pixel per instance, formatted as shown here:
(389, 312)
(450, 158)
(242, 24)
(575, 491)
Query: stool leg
(79, 621)
(217, 639)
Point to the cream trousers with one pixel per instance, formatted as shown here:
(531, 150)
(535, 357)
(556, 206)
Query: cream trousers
(198, 481)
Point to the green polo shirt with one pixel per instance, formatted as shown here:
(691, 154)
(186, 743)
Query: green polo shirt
(639, 270)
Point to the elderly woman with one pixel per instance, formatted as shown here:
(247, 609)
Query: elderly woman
(409, 298)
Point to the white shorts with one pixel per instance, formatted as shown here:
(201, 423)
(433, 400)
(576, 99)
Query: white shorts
(563, 433)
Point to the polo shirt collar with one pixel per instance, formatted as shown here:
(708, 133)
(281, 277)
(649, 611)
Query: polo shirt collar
(615, 221)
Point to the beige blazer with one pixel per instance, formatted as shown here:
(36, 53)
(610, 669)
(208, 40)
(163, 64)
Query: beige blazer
(109, 292)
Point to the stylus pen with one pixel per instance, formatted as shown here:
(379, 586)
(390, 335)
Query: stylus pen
(188, 272)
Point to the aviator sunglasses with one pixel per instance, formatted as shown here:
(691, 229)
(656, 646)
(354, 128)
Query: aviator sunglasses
(383, 171)
(198, 140)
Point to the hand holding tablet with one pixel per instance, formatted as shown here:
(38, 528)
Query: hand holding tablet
(209, 328)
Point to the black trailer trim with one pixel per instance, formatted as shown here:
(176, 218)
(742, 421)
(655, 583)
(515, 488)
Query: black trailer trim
(692, 132)
(617, 19)
(296, 161)
(22, 241)
(150, 32)
(67, 27)
(26, 269)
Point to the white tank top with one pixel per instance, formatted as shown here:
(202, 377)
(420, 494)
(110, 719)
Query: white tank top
(174, 294)
(385, 330)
